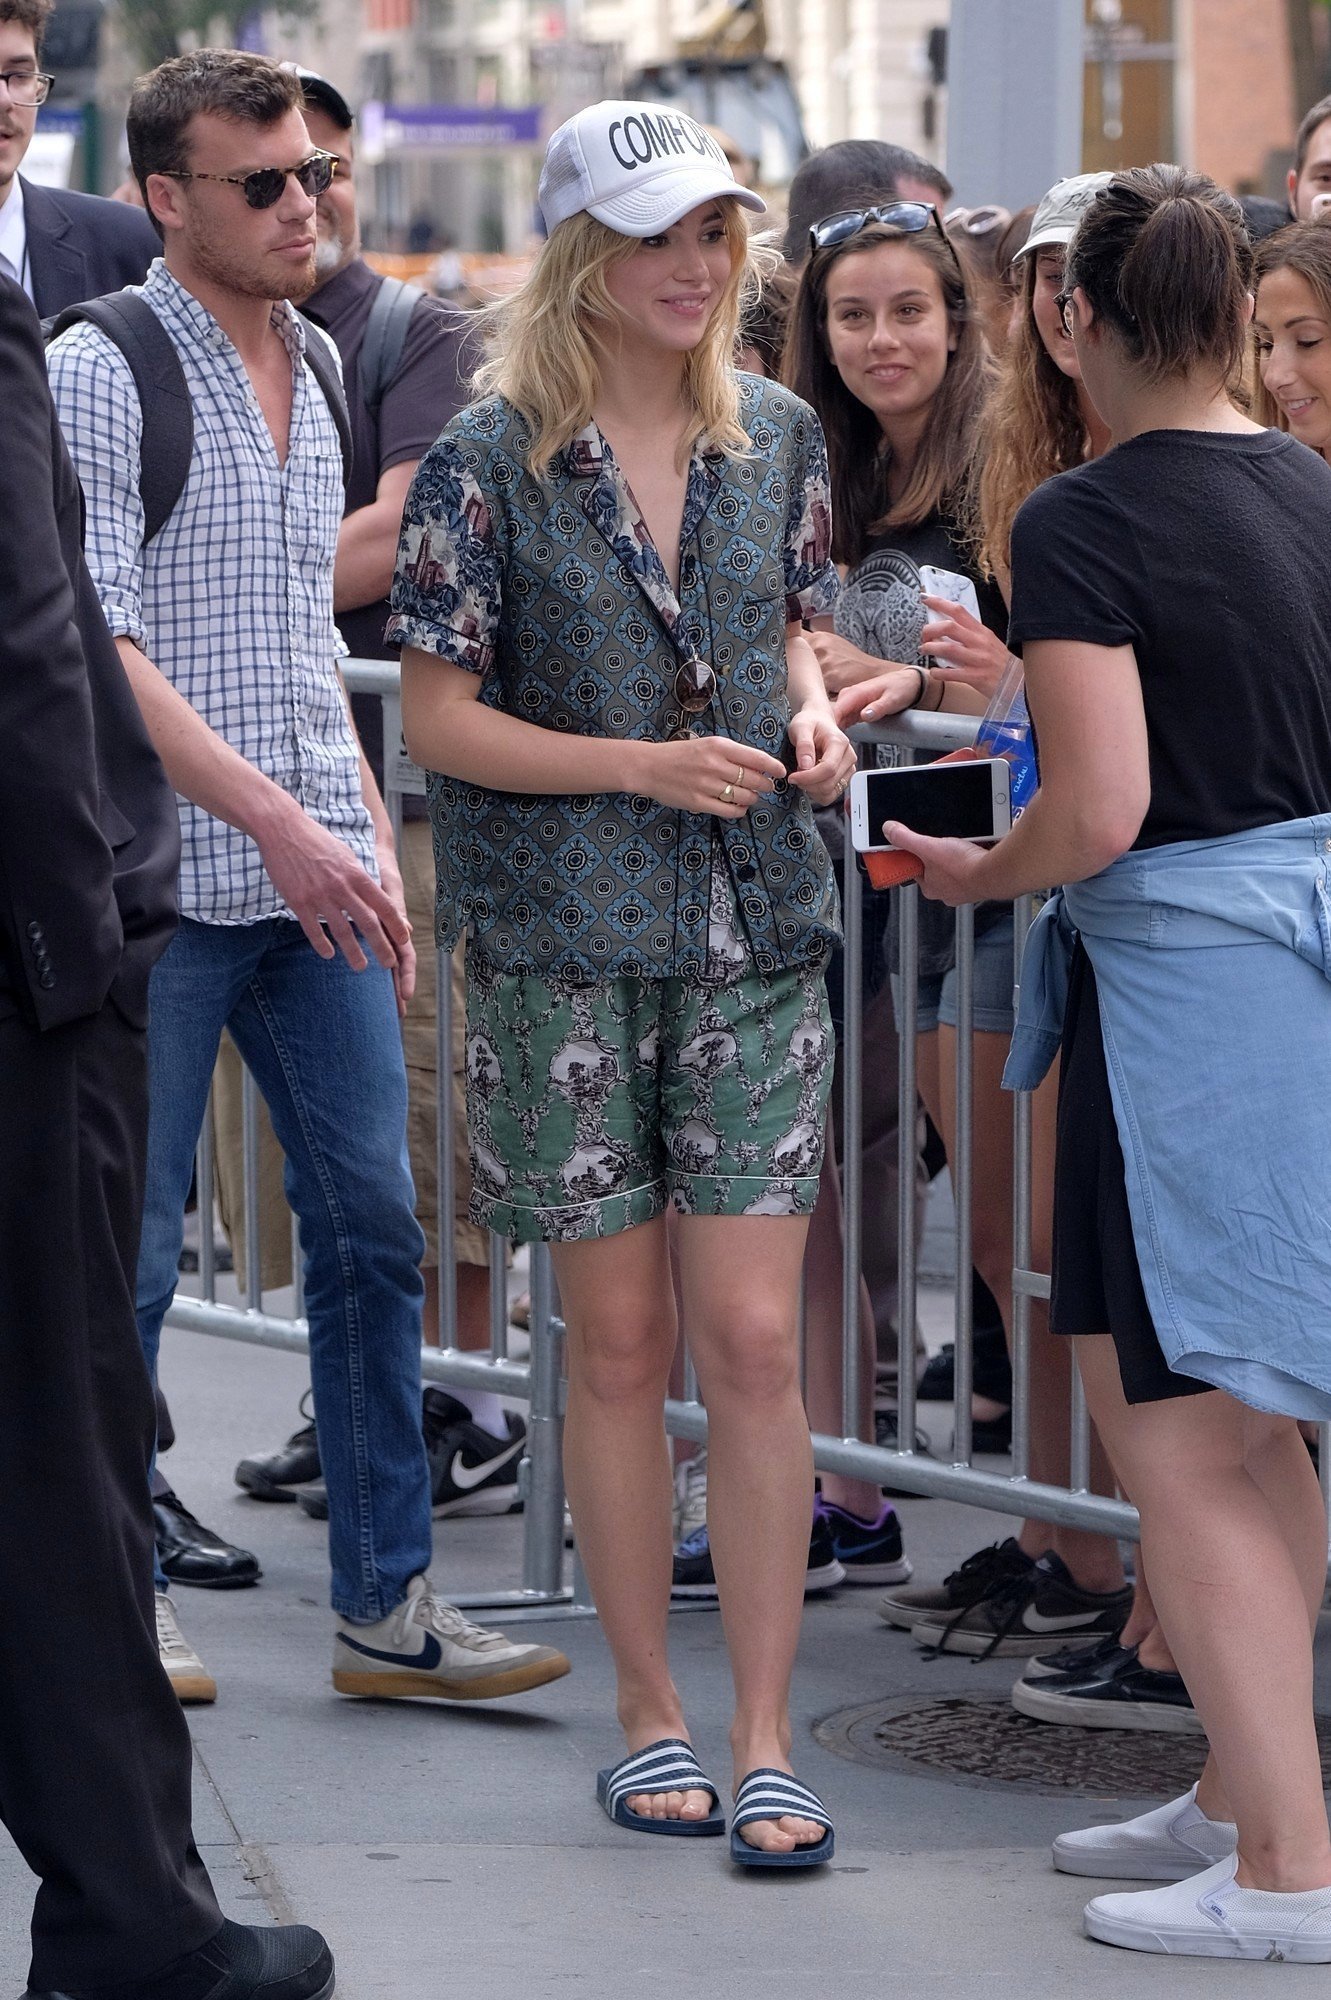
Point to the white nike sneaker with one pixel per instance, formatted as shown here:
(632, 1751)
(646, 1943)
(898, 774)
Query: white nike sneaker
(427, 1647)
(690, 1509)
(1210, 1916)
(1166, 1845)
(191, 1680)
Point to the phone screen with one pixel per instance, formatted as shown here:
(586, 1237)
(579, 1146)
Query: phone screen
(945, 801)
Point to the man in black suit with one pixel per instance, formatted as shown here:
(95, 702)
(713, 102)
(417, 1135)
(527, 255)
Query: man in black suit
(94, 1751)
(62, 247)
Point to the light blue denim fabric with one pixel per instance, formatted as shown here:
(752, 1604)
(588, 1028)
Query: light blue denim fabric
(1213, 964)
(326, 1052)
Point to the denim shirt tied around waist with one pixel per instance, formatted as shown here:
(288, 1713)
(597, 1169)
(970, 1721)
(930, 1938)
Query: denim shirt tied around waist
(552, 591)
(1213, 965)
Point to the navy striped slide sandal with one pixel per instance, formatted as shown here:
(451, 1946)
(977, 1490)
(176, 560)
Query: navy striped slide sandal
(667, 1766)
(767, 1794)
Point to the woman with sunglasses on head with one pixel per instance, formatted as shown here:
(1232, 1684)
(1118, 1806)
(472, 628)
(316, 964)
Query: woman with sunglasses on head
(1186, 798)
(603, 573)
(886, 345)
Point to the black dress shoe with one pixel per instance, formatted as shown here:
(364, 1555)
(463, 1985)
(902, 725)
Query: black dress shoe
(192, 1554)
(314, 1500)
(243, 1962)
(275, 1475)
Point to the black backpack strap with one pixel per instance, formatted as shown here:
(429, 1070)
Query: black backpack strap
(325, 372)
(168, 445)
(385, 335)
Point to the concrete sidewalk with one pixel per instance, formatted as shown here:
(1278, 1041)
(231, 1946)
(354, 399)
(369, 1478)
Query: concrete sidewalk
(461, 1851)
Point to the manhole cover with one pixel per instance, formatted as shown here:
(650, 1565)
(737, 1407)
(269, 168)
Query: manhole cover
(979, 1740)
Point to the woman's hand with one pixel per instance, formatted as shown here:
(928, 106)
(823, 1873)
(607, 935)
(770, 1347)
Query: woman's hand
(824, 758)
(962, 649)
(953, 869)
(889, 692)
(840, 663)
(707, 774)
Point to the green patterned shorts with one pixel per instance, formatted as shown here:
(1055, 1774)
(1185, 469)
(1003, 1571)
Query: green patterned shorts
(589, 1108)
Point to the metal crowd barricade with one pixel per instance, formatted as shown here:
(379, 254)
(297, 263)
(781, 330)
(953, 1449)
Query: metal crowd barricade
(545, 1590)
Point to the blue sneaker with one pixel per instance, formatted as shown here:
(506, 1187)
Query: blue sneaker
(695, 1577)
(868, 1551)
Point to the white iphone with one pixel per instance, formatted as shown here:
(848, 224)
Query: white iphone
(971, 800)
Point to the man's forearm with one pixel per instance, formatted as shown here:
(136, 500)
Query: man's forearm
(366, 554)
(200, 764)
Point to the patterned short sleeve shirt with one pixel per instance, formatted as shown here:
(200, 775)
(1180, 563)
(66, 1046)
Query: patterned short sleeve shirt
(552, 591)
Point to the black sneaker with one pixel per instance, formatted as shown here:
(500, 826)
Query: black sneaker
(243, 1962)
(695, 1577)
(1077, 1662)
(275, 1475)
(868, 1551)
(887, 1435)
(991, 1369)
(1122, 1696)
(471, 1470)
(1019, 1617)
(980, 1574)
(190, 1553)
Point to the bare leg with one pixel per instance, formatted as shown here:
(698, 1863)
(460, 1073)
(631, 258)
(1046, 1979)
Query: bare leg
(822, 1342)
(619, 1310)
(473, 1288)
(1235, 1538)
(740, 1285)
(1093, 1560)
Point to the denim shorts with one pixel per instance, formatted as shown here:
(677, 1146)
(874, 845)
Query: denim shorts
(589, 1108)
(994, 980)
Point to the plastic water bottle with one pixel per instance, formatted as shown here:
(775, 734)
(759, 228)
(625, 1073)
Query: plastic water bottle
(1005, 731)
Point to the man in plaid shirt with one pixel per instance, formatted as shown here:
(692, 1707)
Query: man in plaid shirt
(294, 934)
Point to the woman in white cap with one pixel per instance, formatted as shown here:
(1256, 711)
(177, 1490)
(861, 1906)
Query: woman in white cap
(604, 570)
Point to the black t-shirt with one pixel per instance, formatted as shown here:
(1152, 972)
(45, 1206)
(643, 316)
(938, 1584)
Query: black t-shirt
(887, 622)
(1209, 553)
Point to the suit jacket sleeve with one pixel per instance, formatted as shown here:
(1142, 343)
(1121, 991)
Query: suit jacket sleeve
(60, 929)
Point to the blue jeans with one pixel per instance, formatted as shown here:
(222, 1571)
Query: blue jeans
(324, 1046)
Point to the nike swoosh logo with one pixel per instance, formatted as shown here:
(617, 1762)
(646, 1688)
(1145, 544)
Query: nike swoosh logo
(1036, 1621)
(465, 1476)
(427, 1659)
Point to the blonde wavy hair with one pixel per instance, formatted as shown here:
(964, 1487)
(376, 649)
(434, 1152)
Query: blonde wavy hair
(1035, 429)
(545, 344)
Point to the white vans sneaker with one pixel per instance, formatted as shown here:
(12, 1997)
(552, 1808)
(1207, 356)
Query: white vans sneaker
(427, 1647)
(188, 1676)
(1210, 1916)
(1166, 1845)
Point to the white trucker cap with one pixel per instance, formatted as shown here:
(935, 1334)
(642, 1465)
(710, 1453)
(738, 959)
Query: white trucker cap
(1056, 219)
(636, 167)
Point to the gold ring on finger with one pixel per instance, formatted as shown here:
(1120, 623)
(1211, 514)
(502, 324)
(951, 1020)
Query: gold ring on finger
(727, 795)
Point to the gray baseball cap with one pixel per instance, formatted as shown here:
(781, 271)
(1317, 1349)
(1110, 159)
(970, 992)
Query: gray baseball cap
(1056, 218)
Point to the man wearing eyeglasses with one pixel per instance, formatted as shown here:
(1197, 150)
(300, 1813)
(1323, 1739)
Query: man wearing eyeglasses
(59, 245)
(293, 934)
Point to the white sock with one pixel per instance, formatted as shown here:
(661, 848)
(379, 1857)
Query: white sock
(486, 1409)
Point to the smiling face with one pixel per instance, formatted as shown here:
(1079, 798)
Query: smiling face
(1294, 354)
(1055, 339)
(670, 285)
(18, 56)
(1314, 177)
(210, 229)
(888, 332)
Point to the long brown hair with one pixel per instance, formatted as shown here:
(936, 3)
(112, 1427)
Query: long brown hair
(857, 455)
(1304, 248)
(1035, 429)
